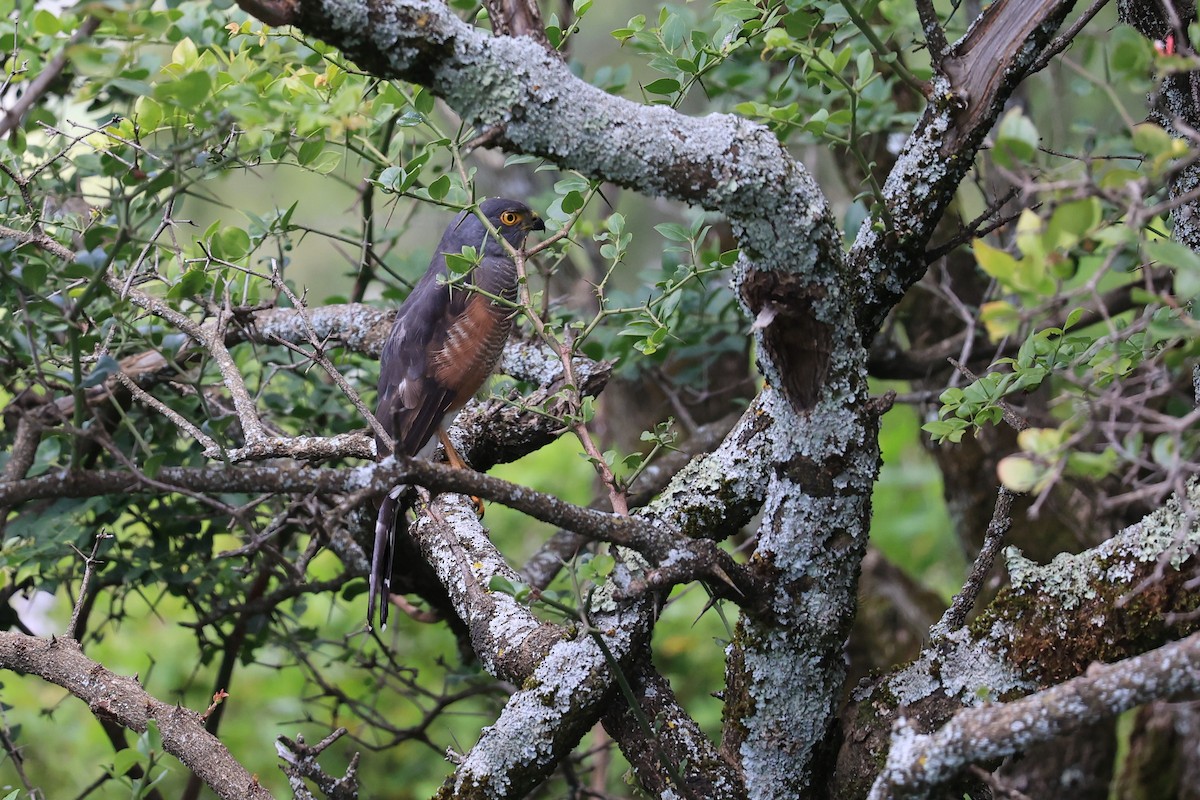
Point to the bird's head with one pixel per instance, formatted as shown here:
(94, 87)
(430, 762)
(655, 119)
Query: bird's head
(511, 218)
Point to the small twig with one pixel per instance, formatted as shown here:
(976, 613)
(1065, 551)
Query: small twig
(635, 709)
(964, 601)
(318, 355)
(36, 88)
(300, 762)
(881, 49)
(15, 757)
(935, 36)
(977, 227)
(207, 442)
(1000, 790)
(484, 139)
(1066, 37)
(40, 241)
(618, 497)
(218, 697)
(89, 563)
(211, 338)
(163, 224)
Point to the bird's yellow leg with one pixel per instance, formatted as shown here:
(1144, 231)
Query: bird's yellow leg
(456, 461)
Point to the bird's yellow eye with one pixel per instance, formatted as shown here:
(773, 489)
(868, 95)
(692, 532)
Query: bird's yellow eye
(509, 218)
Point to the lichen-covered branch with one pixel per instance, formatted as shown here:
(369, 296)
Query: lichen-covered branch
(62, 662)
(979, 74)
(566, 676)
(1134, 592)
(665, 735)
(917, 763)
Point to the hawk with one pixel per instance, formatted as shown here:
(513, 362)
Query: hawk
(443, 345)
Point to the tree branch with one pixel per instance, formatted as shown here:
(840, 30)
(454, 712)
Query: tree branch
(37, 88)
(919, 762)
(980, 73)
(61, 661)
(1017, 646)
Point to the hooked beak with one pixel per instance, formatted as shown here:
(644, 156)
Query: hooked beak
(534, 222)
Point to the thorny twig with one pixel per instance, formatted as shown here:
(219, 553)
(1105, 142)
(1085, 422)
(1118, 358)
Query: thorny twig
(89, 564)
(956, 614)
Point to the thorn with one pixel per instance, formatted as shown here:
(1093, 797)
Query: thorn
(712, 601)
(720, 573)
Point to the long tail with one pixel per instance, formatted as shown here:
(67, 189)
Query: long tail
(381, 557)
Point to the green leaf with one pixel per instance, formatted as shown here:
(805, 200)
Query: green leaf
(1044, 442)
(842, 59)
(674, 231)
(464, 262)
(1183, 260)
(1000, 318)
(154, 464)
(572, 201)
(188, 92)
(864, 64)
(1129, 53)
(1151, 139)
(1093, 465)
(946, 430)
(106, 365)
(598, 567)
(1016, 139)
(326, 162)
(1072, 221)
(390, 178)
(185, 53)
(423, 102)
(45, 23)
(1019, 474)
(150, 742)
(997, 263)
(674, 31)
(440, 188)
(1117, 178)
(127, 759)
(191, 283)
(310, 149)
(662, 86)
(148, 113)
(776, 39)
(501, 585)
(1165, 451)
(635, 25)
(231, 243)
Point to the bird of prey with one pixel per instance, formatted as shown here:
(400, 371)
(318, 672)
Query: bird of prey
(443, 345)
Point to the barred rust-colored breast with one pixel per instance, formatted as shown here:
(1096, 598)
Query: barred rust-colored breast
(473, 345)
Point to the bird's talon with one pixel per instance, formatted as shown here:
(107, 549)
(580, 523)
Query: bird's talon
(478, 506)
